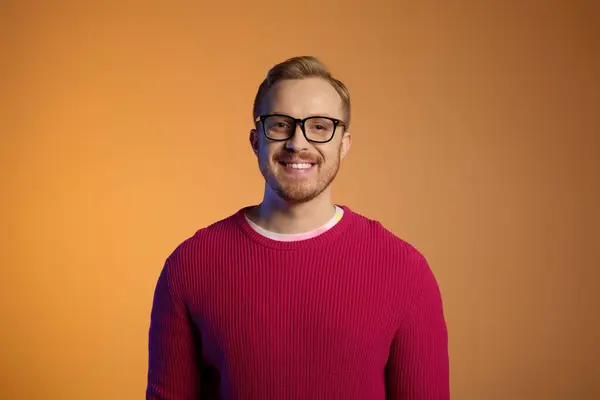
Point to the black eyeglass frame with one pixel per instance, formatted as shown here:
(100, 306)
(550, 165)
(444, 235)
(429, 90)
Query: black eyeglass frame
(302, 122)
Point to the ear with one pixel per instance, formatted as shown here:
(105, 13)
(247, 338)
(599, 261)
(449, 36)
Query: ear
(254, 141)
(346, 144)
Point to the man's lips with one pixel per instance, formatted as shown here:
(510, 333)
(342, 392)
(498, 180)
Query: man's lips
(297, 168)
(295, 161)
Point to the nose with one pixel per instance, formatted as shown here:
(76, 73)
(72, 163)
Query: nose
(297, 142)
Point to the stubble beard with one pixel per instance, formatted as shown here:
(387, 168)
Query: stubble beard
(295, 190)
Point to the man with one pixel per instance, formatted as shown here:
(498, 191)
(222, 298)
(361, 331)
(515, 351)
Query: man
(297, 297)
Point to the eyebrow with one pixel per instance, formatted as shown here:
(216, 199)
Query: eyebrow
(308, 116)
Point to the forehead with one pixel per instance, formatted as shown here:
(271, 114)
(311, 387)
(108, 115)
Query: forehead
(304, 97)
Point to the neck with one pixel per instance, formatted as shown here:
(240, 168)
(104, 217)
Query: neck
(277, 215)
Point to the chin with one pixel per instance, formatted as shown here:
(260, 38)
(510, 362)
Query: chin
(296, 190)
(295, 193)
(294, 198)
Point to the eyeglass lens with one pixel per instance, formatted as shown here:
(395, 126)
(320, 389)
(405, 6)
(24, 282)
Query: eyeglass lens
(318, 129)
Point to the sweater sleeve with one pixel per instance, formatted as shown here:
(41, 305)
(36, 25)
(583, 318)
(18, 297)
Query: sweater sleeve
(418, 364)
(173, 369)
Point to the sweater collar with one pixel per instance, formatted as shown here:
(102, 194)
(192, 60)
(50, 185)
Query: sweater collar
(328, 237)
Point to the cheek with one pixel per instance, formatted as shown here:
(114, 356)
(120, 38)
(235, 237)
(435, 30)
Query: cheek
(332, 154)
(265, 152)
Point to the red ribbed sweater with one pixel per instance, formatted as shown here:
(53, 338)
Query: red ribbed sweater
(354, 313)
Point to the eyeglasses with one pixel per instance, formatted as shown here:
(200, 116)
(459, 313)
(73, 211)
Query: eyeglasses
(316, 129)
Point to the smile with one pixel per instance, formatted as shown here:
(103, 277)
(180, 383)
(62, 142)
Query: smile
(297, 167)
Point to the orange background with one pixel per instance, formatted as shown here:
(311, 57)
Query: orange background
(476, 138)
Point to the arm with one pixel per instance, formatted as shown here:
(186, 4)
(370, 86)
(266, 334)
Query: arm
(173, 371)
(418, 364)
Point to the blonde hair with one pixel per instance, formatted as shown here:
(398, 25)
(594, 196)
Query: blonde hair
(301, 67)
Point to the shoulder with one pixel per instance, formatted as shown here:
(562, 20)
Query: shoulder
(192, 250)
(384, 241)
(404, 267)
(393, 256)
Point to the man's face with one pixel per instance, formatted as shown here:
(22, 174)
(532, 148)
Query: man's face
(300, 99)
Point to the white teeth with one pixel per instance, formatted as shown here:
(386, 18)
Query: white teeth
(299, 166)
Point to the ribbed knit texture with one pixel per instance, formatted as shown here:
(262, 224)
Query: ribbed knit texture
(354, 313)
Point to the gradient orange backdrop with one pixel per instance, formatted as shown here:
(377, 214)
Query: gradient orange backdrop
(476, 138)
